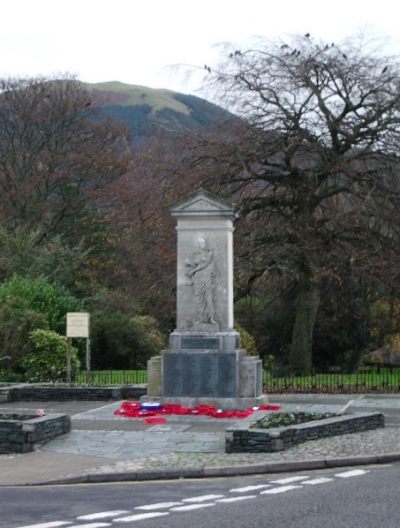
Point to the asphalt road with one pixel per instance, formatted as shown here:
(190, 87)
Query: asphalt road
(364, 497)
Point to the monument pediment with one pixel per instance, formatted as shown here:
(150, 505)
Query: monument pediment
(202, 203)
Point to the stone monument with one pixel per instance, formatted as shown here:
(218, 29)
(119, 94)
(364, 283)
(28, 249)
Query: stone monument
(205, 363)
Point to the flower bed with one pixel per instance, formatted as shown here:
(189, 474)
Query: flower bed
(23, 433)
(281, 419)
(257, 440)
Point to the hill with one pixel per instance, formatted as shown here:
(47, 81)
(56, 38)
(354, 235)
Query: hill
(143, 108)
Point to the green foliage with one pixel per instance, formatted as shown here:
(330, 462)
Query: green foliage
(280, 419)
(38, 296)
(268, 362)
(17, 320)
(122, 341)
(269, 315)
(247, 341)
(29, 252)
(151, 340)
(46, 359)
(11, 377)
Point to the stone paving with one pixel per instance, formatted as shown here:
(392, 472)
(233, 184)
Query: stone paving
(180, 444)
(101, 443)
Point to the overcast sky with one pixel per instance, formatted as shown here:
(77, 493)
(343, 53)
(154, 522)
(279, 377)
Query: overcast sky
(137, 41)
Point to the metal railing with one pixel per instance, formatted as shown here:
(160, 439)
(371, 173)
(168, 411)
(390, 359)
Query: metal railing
(384, 380)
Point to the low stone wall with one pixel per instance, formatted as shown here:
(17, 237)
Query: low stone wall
(26, 392)
(249, 440)
(23, 436)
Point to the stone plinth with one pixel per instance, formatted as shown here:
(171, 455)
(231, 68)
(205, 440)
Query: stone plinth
(205, 363)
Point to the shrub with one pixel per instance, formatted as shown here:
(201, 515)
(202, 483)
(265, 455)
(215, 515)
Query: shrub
(46, 359)
(123, 341)
(53, 301)
(247, 341)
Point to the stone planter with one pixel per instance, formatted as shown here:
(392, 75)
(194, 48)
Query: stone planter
(248, 440)
(23, 436)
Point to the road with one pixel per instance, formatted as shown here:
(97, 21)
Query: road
(362, 497)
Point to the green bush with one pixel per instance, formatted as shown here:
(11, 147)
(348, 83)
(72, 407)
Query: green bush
(17, 320)
(46, 359)
(53, 301)
(123, 341)
(247, 341)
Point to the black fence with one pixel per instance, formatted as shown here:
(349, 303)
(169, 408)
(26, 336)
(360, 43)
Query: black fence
(373, 380)
(369, 380)
(112, 377)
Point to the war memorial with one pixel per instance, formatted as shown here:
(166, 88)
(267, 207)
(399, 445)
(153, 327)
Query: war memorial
(205, 363)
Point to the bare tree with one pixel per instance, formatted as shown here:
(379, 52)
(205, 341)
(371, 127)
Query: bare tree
(313, 161)
(55, 154)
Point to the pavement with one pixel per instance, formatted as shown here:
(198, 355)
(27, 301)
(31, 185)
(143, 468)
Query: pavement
(103, 447)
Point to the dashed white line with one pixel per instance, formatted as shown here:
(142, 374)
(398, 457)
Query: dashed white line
(203, 498)
(249, 488)
(101, 515)
(91, 525)
(314, 482)
(53, 524)
(237, 499)
(282, 489)
(140, 517)
(352, 473)
(288, 480)
(191, 507)
(159, 506)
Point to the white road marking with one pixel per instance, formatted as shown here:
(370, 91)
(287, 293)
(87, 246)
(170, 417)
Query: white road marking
(249, 488)
(203, 498)
(158, 506)
(140, 517)
(190, 507)
(91, 525)
(321, 480)
(283, 489)
(353, 473)
(345, 407)
(236, 499)
(288, 480)
(101, 515)
(54, 524)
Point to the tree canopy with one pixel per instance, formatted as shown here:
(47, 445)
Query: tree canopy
(314, 163)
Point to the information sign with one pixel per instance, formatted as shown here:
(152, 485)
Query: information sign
(77, 324)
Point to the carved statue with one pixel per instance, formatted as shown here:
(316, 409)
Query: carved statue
(201, 275)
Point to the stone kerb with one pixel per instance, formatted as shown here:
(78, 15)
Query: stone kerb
(251, 440)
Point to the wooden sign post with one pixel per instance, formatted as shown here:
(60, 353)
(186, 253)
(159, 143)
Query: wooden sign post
(78, 326)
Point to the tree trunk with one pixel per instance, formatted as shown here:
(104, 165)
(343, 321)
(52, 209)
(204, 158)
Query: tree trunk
(307, 303)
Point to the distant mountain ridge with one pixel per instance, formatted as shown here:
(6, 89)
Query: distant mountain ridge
(142, 108)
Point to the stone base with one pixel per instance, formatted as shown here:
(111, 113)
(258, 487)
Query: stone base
(228, 341)
(225, 404)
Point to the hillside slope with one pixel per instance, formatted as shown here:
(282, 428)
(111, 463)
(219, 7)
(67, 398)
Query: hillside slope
(143, 108)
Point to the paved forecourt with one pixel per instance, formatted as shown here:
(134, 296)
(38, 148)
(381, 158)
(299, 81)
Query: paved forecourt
(102, 446)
